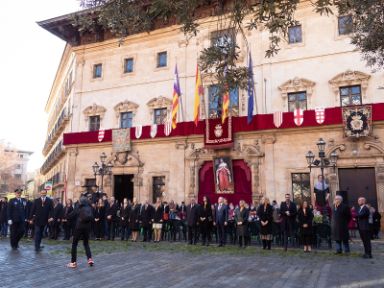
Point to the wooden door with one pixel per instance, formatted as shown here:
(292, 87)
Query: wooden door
(358, 182)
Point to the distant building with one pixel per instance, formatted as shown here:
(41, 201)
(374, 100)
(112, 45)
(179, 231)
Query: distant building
(13, 170)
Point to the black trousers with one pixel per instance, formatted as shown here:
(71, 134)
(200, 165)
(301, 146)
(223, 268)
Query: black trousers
(99, 229)
(147, 232)
(67, 225)
(77, 235)
(221, 233)
(17, 232)
(38, 235)
(365, 236)
(192, 234)
(112, 225)
(205, 227)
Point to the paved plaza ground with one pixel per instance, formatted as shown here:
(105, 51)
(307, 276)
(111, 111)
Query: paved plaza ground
(126, 264)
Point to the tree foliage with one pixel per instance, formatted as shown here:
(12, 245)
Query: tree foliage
(126, 17)
(8, 160)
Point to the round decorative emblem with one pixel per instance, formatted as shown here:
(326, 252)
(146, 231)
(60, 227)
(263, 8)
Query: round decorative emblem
(218, 130)
(357, 122)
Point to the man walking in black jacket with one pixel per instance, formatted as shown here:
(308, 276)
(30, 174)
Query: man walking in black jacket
(16, 218)
(41, 214)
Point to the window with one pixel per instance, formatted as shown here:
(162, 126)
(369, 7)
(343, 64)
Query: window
(216, 102)
(158, 187)
(126, 119)
(297, 100)
(97, 70)
(345, 24)
(160, 116)
(294, 34)
(94, 123)
(224, 39)
(18, 176)
(21, 156)
(350, 95)
(301, 187)
(161, 59)
(18, 166)
(128, 65)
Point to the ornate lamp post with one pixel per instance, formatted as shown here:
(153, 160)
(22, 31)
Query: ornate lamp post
(102, 169)
(322, 162)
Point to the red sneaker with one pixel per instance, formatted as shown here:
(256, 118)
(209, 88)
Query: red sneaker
(90, 262)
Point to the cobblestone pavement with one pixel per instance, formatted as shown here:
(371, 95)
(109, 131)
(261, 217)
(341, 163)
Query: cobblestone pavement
(122, 264)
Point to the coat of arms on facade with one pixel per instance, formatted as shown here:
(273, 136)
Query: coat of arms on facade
(357, 121)
(218, 130)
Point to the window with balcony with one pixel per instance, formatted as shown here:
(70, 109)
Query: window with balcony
(350, 95)
(160, 116)
(94, 123)
(215, 104)
(126, 120)
(297, 100)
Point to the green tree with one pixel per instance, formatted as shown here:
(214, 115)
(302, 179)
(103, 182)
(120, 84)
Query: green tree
(126, 17)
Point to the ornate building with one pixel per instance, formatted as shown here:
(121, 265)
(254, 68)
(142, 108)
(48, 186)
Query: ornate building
(104, 84)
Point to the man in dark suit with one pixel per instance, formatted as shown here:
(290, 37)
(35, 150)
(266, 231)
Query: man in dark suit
(192, 215)
(288, 213)
(146, 218)
(363, 225)
(111, 213)
(58, 211)
(16, 218)
(221, 220)
(41, 214)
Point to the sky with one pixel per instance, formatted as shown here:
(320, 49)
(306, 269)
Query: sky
(30, 57)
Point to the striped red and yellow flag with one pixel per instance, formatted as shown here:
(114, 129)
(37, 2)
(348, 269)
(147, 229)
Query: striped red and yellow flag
(225, 108)
(199, 92)
(175, 99)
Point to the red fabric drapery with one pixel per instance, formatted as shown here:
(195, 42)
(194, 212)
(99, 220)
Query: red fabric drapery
(242, 179)
(239, 124)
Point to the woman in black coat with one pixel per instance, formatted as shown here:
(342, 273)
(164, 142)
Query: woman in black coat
(158, 220)
(241, 222)
(99, 214)
(125, 211)
(265, 213)
(134, 219)
(305, 217)
(205, 219)
(67, 223)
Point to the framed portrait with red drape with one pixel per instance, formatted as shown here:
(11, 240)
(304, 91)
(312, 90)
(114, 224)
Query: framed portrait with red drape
(223, 173)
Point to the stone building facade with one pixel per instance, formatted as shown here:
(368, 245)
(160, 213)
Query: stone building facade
(109, 84)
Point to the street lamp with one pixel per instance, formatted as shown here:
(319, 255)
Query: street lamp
(323, 162)
(102, 169)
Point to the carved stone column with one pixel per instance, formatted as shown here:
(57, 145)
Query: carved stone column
(269, 166)
(71, 173)
(380, 191)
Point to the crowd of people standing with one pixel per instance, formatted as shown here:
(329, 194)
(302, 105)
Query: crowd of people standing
(206, 223)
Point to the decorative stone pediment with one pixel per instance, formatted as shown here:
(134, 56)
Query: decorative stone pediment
(349, 78)
(159, 102)
(94, 110)
(296, 85)
(125, 106)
